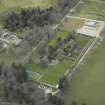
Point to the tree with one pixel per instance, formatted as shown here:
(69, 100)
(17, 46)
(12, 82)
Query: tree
(6, 92)
(74, 103)
(24, 74)
(54, 100)
(52, 52)
(21, 73)
(0, 69)
(14, 65)
(73, 35)
(83, 103)
(25, 92)
(63, 83)
(59, 42)
(28, 18)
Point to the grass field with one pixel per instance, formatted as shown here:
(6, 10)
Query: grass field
(80, 39)
(88, 83)
(61, 34)
(7, 5)
(71, 24)
(93, 9)
(6, 57)
(51, 74)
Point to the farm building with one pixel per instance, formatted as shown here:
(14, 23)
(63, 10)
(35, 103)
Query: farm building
(91, 28)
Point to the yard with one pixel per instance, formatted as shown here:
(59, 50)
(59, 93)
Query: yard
(80, 39)
(56, 35)
(52, 73)
(88, 83)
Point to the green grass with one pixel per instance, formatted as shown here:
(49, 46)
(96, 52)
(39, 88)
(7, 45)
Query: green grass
(7, 5)
(51, 74)
(8, 57)
(82, 40)
(88, 83)
(92, 9)
(12, 54)
(71, 24)
(56, 35)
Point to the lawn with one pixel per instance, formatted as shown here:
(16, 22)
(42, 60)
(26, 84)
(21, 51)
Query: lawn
(71, 24)
(58, 34)
(93, 9)
(82, 39)
(88, 83)
(51, 74)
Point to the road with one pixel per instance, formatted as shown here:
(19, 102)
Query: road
(82, 58)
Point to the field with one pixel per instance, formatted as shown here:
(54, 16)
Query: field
(14, 53)
(7, 5)
(51, 74)
(93, 9)
(88, 83)
(71, 24)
